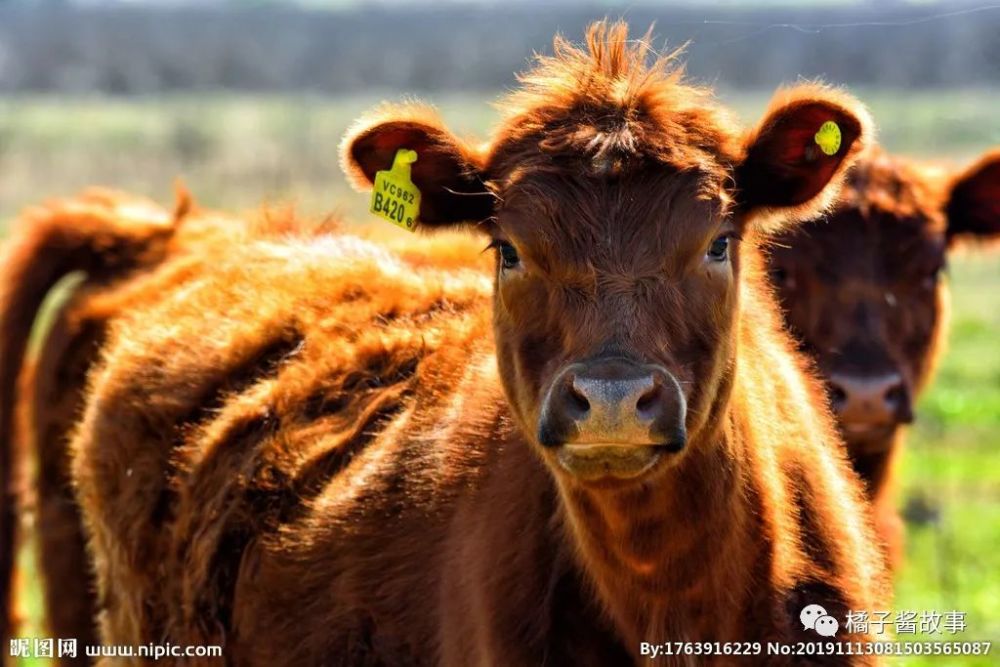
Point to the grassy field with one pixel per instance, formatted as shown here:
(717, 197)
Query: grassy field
(236, 152)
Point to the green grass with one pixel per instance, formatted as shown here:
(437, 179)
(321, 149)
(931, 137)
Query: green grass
(235, 152)
(952, 462)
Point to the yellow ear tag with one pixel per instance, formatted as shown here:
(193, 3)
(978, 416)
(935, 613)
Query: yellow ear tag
(828, 138)
(394, 196)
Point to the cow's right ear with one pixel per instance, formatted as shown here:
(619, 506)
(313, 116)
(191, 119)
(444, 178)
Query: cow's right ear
(796, 158)
(974, 203)
(447, 171)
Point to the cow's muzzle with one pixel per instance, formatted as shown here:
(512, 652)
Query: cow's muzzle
(612, 418)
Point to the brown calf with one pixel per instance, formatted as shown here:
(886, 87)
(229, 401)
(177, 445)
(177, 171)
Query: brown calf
(51, 389)
(313, 452)
(117, 240)
(862, 290)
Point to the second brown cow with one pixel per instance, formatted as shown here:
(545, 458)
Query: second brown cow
(863, 291)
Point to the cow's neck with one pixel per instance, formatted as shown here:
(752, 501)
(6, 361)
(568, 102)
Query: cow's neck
(666, 556)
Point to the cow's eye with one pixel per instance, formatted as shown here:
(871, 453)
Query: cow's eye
(932, 278)
(508, 255)
(719, 250)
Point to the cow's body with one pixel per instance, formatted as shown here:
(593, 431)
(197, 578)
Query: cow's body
(311, 451)
(118, 240)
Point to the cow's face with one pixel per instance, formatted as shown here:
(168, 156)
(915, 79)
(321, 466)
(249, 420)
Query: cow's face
(614, 308)
(863, 289)
(615, 198)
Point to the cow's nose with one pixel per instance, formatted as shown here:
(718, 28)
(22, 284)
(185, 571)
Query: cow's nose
(869, 401)
(613, 402)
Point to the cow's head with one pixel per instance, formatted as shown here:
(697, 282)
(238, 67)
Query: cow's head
(616, 197)
(862, 288)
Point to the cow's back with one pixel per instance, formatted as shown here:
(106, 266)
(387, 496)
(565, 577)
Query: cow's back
(261, 410)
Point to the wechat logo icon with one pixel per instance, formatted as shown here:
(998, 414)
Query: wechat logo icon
(815, 618)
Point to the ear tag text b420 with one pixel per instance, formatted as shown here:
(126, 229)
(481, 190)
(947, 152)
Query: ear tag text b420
(394, 196)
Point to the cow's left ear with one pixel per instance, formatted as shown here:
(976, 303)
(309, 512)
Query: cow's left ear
(974, 203)
(794, 161)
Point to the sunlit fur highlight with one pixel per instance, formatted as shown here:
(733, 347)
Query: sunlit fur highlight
(116, 239)
(612, 101)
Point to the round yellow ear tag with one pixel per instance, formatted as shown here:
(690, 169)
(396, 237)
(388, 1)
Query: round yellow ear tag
(828, 138)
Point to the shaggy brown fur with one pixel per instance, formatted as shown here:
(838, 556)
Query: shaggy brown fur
(117, 240)
(863, 291)
(52, 386)
(303, 447)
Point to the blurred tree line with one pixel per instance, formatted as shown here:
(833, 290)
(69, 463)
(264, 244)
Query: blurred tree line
(62, 47)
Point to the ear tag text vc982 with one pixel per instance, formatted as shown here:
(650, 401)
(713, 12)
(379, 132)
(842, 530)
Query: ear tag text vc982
(394, 196)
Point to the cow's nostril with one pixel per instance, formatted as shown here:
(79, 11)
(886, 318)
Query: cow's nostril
(895, 395)
(898, 400)
(648, 403)
(576, 402)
